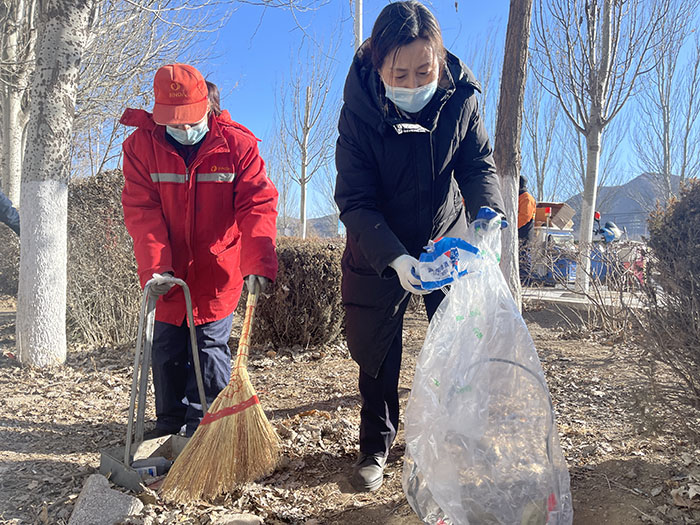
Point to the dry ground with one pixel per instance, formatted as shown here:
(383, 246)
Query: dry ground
(632, 458)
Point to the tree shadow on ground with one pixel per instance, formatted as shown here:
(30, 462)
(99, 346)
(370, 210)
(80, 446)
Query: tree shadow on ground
(620, 491)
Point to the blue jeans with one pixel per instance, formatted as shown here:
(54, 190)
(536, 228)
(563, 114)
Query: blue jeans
(177, 397)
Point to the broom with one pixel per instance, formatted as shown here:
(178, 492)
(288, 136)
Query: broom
(233, 444)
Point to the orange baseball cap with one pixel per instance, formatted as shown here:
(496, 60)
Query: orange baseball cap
(180, 95)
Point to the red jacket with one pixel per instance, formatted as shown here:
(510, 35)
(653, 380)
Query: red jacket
(211, 223)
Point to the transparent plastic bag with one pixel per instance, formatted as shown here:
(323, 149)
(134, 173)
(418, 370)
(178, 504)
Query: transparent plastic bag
(481, 439)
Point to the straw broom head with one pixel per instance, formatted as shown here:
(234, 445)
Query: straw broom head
(233, 444)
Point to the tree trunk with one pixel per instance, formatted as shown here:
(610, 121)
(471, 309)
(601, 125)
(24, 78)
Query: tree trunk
(303, 180)
(590, 189)
(302, 200)
(12, 144)
(508, 130)
(41, 305)
(666, 115)
(17, 43)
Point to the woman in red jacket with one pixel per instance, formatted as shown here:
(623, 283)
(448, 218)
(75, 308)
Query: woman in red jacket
(198, 205)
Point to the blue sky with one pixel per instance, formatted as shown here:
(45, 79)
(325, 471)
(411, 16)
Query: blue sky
(253, 52)
(254, 48)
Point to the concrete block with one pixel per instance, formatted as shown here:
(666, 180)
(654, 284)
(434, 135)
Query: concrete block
(100, 505)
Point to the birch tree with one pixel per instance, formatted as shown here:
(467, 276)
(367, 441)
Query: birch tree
(508, 129)
(63, 33)
(667, 144)
(308, 124)
(17, 41)
(589, 55)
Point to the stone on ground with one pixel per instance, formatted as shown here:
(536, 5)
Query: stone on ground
(98, 504)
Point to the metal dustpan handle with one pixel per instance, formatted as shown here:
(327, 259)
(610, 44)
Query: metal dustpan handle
(142, 357)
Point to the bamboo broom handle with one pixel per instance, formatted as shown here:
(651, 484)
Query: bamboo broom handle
(244, 341)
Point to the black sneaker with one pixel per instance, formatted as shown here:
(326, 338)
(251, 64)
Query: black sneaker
(159, 432)
(368, 472)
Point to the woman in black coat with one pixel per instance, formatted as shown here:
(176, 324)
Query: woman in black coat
(412, 152)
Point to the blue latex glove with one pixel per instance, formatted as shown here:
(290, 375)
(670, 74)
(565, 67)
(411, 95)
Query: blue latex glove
(489, 214)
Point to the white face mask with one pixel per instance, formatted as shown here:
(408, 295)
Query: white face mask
(411, 100)
(188, 137)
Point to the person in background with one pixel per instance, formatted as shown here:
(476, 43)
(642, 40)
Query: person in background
(214, 98)
(199, 206)
(412, 149)
(526, 223)
(526, 211)
(8, 214)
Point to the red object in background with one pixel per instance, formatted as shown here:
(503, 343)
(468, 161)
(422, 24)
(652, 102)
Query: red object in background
(596, 215)
(548, 211)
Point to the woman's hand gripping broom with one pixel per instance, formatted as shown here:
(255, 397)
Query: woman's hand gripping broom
(233, 444)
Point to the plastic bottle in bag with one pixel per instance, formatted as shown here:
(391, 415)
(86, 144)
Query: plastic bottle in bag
(481, 440)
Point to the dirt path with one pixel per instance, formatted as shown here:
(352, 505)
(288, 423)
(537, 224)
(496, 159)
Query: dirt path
(626, 452)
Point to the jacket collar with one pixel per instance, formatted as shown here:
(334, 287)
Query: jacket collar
(214, 142)
(364, 94)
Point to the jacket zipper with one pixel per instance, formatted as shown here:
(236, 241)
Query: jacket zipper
(432, 184)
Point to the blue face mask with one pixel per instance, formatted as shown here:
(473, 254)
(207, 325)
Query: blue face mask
(191, 136)
(411, 100)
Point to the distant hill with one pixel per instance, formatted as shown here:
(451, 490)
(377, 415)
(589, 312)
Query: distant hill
(326, 226)
(627, 205)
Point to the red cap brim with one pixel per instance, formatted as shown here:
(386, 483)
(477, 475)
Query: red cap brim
(175, 115)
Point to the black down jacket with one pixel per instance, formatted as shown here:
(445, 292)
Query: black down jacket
(400, 183)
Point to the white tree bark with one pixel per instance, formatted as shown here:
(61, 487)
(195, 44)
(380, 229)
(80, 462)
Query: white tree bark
(12, 144)
(17, 41)
(303, 172)
(41, 305)
(590, 191)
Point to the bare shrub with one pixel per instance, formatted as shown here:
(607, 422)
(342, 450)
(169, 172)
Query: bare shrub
(605, 308)
(103, 288)
(304, 306)
(104, 294)
(9, 261)
(671, 318)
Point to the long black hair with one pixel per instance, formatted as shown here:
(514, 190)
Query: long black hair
(399, 24)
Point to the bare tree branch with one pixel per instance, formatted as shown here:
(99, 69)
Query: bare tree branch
(307, 118)
(593, 76)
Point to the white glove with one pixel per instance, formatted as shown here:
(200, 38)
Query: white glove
(250, 281)
(406, 268)
(162, 284)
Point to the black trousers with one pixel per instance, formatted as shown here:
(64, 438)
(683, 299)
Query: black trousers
(379, 416)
